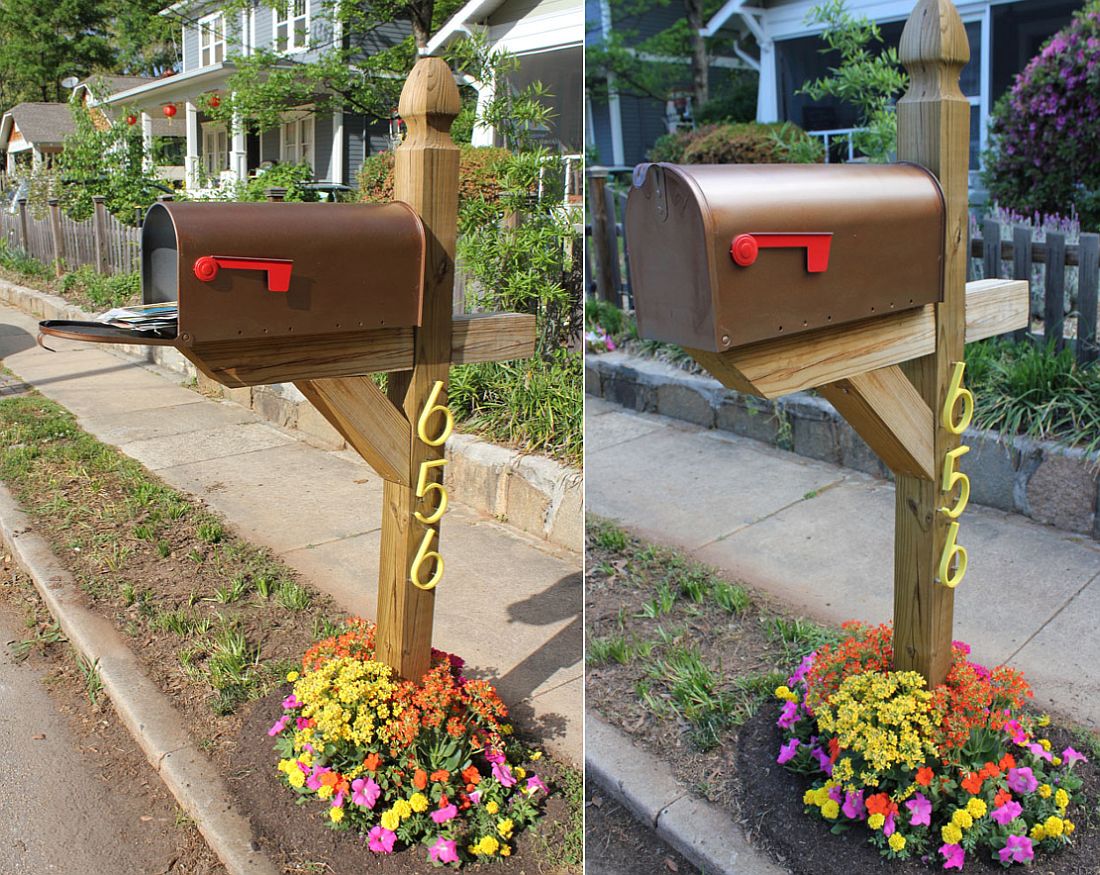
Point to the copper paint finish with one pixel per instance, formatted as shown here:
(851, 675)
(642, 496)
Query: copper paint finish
(885, 253)
(356, 267)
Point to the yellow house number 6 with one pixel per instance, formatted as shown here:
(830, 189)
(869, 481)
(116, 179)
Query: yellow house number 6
(424, 486)
(952, 551)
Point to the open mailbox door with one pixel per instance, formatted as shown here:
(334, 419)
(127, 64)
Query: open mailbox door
(275, 284)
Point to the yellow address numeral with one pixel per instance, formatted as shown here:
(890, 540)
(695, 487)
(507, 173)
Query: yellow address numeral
(950, 478)
(431, 407)
(950, 550)
(422, 487)
(955, 393)
(423, 555)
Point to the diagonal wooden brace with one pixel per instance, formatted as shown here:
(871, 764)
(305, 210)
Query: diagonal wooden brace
(889, 413)
(376, 427)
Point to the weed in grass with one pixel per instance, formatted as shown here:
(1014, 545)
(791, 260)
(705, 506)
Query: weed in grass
(164, 549)
(609, 648)
(644, 692)
(694, 692)
(264, 584)
(176, 508)
(661, 603)
(196, 555)
(323, 627)
(669, 636)
(695, 583)
(292, 596)
(40, 638)
(115, 556)
(607, 536)
(209, 531)
(145, 532)
(730, 597)
(93, 683)
(183, 820)
(233, 591)
(798, 636)
(127, 593)
(571, 786)
(811, 494)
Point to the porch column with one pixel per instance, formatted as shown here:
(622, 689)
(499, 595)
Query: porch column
(238, 152)
(767, 95)
(337, 163)
(191, 160)
(146, 142)
(483, 134)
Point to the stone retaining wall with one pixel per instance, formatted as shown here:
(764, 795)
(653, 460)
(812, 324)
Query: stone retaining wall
(1039, 479)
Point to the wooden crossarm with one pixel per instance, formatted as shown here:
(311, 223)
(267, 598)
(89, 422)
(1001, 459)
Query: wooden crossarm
(778, 367)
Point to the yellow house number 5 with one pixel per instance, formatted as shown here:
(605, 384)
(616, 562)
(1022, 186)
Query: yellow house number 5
(425, 486)
(953, 553)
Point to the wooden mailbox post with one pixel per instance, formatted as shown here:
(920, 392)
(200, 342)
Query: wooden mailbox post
(896, 376)
(352, 313)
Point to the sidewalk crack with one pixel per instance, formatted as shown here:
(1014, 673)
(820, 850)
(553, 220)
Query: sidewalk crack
(1052, 617)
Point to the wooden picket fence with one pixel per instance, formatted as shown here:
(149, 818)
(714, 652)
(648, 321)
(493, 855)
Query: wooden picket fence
(1071, 320)
(101, 241)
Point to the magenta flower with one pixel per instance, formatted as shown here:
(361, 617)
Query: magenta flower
(789, 715)
(533, 784)
(853, 806)
(291, 701)
(443, 851)
(314, 780)
(823, 760)
(380, 840)
(953, 856)
(803, 667)
(888, 826)
(1070, 756)
(503, 774)
(920, 811)
(1022, 780)
(365, 792)
(302, 723)
(1016, 732)
(1040, 751)
(493, 756)
(1007, 812)
(787, 751)
(1017, 849)
(279, 726)
(475, 797)
(442, 815)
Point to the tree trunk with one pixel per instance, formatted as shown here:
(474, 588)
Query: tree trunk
(700, 68)
(420, 14)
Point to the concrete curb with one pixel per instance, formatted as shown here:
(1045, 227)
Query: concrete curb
(532, 493)
(701, 831)
(146, 712)
(1044, 481)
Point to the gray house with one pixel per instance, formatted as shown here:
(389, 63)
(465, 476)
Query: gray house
(332, 144)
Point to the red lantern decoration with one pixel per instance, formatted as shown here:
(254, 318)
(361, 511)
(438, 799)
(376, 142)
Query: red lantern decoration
(169, 110)
(215, 101)
(131, 119)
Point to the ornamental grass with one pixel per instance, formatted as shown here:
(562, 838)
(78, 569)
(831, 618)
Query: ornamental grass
(401, 763)
(944, 775)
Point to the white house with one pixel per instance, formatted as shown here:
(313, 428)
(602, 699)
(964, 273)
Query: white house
(32, 134)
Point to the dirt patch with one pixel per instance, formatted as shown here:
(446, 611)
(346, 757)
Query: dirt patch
(774, 796)
(296, 836)
(615, 842)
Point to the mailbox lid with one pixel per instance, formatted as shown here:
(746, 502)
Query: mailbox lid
(355, 268)
(885, 254)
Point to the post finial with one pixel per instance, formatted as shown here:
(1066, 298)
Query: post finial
(430, 100)
(934, 48)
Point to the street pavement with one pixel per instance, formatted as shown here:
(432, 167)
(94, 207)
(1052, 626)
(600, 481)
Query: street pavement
(819, 538)
(509, 604)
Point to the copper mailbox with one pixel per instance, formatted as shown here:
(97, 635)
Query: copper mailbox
(722, 256)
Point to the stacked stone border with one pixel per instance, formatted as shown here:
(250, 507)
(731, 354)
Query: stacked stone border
(1044, 481)
(531, 493)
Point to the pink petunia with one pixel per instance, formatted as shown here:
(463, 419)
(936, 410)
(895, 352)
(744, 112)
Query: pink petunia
(503, 773)
(787, 751)
(789, 716)
(823, 760)
(290, 702)
(1007, 812)
(1017, 849)
(279, 726)
(888, 826)
(953, 856)
(380, 840)
(443, 851)
(534, 783)
(475, 797)
(314, 780)
(920, 810)
(302, 723)
(1070, 756)
(1040, 751)
(365, 792)
(853, 806)
(494, 756)
(442, 815)
(1022, 780)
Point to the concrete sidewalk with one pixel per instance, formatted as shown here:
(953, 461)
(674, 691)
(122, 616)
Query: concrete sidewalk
(820, 539)
(510, 604)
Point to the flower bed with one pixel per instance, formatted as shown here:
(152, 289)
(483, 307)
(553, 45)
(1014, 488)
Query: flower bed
(960, 770)
(430, 763)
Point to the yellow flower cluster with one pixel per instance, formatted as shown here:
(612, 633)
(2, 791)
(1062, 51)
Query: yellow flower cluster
(896, 842)
(295, 776)
(350, 700)
(488, 845)
(505, 827)
(1061, 799)
(887, 717)
(829, 807)
(784, 694)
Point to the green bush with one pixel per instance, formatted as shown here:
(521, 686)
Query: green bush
(745, 143)
(19, 262)
(102, 291)
(478, 174)
(288, 176)
(733, 100)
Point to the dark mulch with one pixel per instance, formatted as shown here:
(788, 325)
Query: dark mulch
(295, 835)
(773, 795)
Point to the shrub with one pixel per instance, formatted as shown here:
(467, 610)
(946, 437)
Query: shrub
(478, 174)
(99, 290)
(733, 100)
(19, 262)
(747, 143)
(1044, 130)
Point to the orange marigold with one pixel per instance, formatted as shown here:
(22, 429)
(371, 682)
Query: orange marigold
(924, 776)
(420, 779)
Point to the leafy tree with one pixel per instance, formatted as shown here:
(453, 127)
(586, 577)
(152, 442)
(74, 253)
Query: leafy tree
(869, 80)
(42, 45)
(145, 43)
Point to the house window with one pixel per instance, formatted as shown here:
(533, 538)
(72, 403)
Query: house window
(211, 39)
(296, 145)
(292, 26)
(215, 149)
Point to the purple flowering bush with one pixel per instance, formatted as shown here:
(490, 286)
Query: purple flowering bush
(1045, 129)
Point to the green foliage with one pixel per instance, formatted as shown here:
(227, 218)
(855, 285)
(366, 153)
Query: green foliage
(1021, 388)
(478, 174)
(19, 262)
(732, 101)
(747, 143)
(603, 314)
(102, 291)
(868, 80)
(109, 162)
(291, 177)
